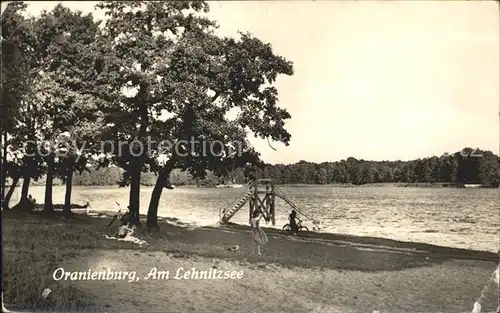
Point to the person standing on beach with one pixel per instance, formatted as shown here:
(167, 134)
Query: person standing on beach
(259, 237)
(292, 218)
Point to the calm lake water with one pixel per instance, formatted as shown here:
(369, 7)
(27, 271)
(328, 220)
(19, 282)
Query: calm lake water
(464, 218)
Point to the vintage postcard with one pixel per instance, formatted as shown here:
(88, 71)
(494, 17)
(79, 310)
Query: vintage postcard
(250, 156)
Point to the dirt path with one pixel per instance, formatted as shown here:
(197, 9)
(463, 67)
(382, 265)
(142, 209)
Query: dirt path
(451, 286)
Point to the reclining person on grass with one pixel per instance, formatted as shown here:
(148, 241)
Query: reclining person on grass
(125, 223)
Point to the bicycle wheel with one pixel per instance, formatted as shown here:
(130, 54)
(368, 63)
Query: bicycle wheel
(287, 229)
(303, 228)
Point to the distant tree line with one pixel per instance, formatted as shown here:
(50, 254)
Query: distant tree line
(465, 167)
(114, 176)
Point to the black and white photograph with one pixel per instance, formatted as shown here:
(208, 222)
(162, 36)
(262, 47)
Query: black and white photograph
(291, 156)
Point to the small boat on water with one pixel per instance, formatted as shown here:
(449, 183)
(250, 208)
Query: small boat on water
(473, 185)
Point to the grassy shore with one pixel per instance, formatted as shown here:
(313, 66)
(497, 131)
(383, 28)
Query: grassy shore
(309, 273)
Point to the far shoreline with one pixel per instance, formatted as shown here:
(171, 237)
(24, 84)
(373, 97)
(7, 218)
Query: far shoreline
(337, 185)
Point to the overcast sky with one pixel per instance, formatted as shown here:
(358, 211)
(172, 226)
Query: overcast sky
(375, 80)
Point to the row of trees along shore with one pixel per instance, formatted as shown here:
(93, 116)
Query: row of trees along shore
(150, 70)
(156, 70)
(465, 167)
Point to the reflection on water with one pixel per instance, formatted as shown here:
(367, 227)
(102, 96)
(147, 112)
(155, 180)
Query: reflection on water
(465, 218)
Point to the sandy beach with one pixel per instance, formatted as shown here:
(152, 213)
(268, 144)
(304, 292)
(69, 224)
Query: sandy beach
(310, 273)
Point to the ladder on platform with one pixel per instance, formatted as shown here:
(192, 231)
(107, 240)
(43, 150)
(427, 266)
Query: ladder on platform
(228, 213)
(260, 194)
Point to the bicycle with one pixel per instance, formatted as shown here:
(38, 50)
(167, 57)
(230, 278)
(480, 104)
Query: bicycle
(287, 229)
(124, 219)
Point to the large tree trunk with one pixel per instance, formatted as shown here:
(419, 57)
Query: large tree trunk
(26, 187)
(161, 182)
(135, 192)
(69, 186)
(138, 161)
(12, 188)
(48, 206)
(25, 204)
